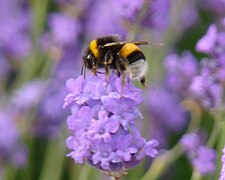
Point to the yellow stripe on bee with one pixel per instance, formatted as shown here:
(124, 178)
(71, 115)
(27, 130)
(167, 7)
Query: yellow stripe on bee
(127, 49)
(94, 48)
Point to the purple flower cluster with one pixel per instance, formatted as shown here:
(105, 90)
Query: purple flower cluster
(202, 158)
(62, 41)
(202, 83)
(157, 16)
(127, 9)
(102, 124)
(180, 71)
(166, 114)
(213, 44)
(106, 23)
(64, 29)
(222, 173)
(27, 97)
(15, 25)
(190, 9)
(216, 7)
(50, 114)
(4, 67)
(11, 149)
(207, 86)
(116, 16)
(205, 91)
(190, 141)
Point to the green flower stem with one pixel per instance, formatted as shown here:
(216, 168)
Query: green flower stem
(196, 115)
(85, 172)
(220, 119)
(220, 146)
(30, 66)
(161, 163)
(195, 175)
(39, 10)
(9, 173)
(54, 160)
(214, 134)
(136, 26)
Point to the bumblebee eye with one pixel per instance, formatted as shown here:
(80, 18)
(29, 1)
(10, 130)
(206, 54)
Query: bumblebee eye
(89, 56)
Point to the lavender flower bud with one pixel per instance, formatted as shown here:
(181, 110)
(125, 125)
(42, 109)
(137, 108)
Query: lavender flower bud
(190, 142)
(180, 72)
(205, 91)
(222, 173)
(207, 43)
(102, 126)
(64, 29)
(127, 9)
(202, 158)
(204, 162)
(11, 149)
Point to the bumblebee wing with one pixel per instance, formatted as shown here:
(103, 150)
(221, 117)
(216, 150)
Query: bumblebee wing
(112, 44)
(134, 42)
(101, 41)
(147, 43)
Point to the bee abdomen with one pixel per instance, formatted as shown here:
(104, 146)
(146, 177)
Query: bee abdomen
(137, 65)
(135, 56)
(138, 69)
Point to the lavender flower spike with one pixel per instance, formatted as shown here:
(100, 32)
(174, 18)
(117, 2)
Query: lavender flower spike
(102, 126)
(204, 162)
(222, 173)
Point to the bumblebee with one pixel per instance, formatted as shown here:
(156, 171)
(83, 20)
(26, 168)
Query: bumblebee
(111, 53)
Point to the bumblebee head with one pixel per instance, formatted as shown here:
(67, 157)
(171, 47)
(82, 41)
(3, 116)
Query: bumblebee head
(89, 59)
(87, 55)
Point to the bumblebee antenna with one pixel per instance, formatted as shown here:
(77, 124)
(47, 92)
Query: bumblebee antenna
(83, 71)
(147, 43)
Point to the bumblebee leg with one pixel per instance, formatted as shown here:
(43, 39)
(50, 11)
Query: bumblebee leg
(118, 66)
(83, 71)
(124, 64)
(143, 82)
(106, 72)
(94, 70)
(108, 59)
(94, 67)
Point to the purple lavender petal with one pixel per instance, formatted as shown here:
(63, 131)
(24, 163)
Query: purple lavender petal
(117, 105)
(207, 43)
(148, 150)
(162, 105)
(180, 71)
(127, 9)
(64, 28)
(104, 22)
(157, 16)
(222, 173)
(11, 149)
(205, 160)
(190, 142)
(80, 121)
(206, 91)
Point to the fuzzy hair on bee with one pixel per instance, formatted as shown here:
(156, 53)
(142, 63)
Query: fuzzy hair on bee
(111, 53)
